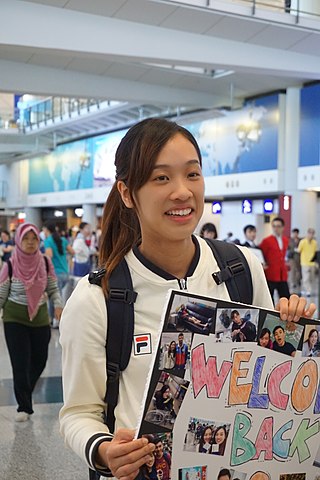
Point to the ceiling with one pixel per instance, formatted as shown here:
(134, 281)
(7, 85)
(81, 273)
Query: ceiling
(167, 55)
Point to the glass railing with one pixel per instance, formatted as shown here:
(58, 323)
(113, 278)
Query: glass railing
(52, 109)
(298, 8)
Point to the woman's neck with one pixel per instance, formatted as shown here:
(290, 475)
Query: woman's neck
(175, 260)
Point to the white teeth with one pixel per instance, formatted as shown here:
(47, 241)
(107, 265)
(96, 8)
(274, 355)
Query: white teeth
(181, 213)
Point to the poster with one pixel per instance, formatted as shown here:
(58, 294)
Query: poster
(233, 394)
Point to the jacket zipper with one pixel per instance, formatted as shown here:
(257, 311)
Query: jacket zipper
(182, 283)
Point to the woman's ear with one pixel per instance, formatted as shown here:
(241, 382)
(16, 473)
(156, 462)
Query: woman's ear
(125, 194)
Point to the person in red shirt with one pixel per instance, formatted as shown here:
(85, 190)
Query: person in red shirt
(274, 249)
(163, 460)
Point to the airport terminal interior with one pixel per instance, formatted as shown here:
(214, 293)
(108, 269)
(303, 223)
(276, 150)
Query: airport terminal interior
(242, 75)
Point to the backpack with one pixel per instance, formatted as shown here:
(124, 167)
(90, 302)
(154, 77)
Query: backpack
(234, 271)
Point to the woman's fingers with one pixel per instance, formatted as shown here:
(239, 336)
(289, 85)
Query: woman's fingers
(295, 307)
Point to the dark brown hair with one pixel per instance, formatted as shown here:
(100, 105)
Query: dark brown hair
(135, 158)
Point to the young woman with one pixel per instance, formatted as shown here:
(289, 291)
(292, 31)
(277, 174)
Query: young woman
(57, 248)
(170, 356)
(264, 339)
(205, 443)
(164, 400)
(149, 218)
(308, 347)
(23, 296)
(219, 440)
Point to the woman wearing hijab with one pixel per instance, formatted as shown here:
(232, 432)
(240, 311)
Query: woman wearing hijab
(24, 292)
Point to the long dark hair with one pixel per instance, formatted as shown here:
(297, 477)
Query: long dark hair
(201, 441)
(135, 158)
(56, 236)
(222, 445)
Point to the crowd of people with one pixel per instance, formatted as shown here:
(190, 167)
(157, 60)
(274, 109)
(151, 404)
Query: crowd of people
(150, 215)
(290, 264)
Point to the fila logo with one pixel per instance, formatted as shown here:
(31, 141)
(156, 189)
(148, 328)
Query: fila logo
(142, 344)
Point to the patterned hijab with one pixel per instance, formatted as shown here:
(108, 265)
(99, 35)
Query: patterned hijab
(30, 269)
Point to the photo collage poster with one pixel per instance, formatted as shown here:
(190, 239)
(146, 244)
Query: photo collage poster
(234, 393)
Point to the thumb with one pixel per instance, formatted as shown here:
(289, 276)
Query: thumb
(124, 435)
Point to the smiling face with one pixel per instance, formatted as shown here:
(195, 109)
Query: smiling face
(207, 436)
(264, 340)
(313, 338)
(30, 243)
(170, 204)
(220, 436)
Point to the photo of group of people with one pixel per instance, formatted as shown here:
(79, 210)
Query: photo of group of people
(204, 436)
(175, 352)
(158, 465)
(282, 337)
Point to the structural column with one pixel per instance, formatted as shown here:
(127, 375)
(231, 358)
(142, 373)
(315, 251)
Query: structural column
(89, 214)
(303, 203)
(33, 215)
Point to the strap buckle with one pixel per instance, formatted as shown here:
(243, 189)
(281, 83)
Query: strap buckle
(227, 273)
(113, 371)
(122, 295)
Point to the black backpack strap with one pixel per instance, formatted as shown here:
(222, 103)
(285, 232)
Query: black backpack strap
(9, 269)
(120, 309)
(47, 263)
(234, 271)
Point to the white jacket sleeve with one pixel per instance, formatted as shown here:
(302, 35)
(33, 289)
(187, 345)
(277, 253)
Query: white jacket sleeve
(83, 330)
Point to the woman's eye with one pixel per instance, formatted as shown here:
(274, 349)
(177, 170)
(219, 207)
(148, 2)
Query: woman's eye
(194, 174)
(161, 178)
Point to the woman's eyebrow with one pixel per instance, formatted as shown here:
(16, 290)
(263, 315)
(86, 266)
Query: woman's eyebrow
(165, 165)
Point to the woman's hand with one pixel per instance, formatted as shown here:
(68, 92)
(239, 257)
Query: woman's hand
(57, 313)
(295, 307)
(124, 455)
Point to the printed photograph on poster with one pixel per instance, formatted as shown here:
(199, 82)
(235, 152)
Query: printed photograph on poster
(206, 436)
(231, 474)
(311, 341)
(284, 336)
(236, 325)
(193, 473)
(166, 400)
(187, 314)
(158, 465)
(175, 353)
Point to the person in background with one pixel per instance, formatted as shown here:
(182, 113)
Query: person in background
(23, 298)
(250, 233)
(208, 230)
(57, 248)
(293, 256)
(274, 249)
(82, 252)
(151, 212)
(308, 249)
(7, 245)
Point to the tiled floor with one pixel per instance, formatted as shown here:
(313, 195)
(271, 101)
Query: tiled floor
(34, 450)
